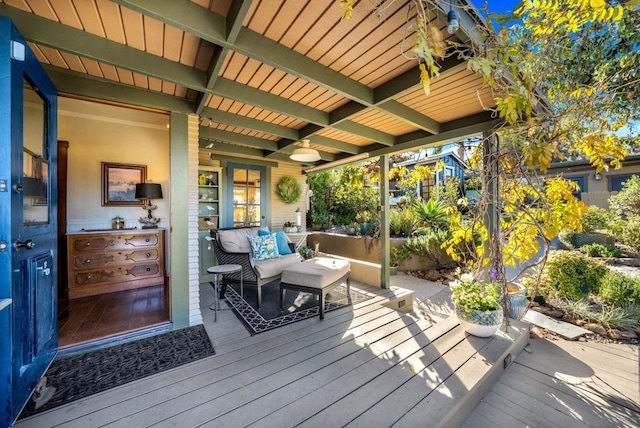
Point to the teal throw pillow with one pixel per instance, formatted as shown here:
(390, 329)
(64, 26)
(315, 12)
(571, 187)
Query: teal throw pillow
(281, 241)
(264, 247)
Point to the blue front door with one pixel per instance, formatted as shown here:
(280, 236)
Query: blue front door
(28, 227)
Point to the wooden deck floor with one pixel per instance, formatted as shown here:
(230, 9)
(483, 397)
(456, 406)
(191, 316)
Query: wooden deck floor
(366, 365)
(567, 384)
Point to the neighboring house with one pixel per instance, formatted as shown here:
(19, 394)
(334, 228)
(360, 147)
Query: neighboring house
(596, 188)
(454, 166)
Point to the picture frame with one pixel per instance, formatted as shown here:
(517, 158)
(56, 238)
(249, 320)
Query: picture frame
(119, 183)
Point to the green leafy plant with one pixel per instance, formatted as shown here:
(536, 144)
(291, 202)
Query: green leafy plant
(595, 219)
(619, 290)
(429, 244)
(572, 274)
(601, 250)
(469, 294)
(630, 234)
(395, 222)
(430, 213)
(397, 255)
(363, 216)
(626, 203)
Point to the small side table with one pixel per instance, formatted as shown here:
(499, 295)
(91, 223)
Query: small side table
(222, 270)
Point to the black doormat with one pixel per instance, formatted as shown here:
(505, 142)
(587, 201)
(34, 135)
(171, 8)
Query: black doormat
(82, 375)
(297, 305)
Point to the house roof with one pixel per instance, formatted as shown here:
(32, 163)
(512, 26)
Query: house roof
(262, 75)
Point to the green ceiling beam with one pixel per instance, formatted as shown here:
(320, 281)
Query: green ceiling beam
(243, 161)
(255, 97)
(402, 112)
(434, 140)
(59, 36)
(233, 137)
(237, 13)
(326, 142)
(366, 132)
(189, 17)
(221, 146)
(80, 84)
(249, 123)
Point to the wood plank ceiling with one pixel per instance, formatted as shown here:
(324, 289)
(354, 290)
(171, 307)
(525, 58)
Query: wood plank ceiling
(263, 75)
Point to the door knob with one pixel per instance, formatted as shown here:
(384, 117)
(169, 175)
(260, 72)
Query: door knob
(24, 245)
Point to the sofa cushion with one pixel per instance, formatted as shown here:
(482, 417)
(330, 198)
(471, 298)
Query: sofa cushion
(235, 240)
(264, 247)
(281, 240)
(273, 267)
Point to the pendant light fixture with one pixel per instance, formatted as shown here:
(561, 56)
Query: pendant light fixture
(305, 153)
(452, 20)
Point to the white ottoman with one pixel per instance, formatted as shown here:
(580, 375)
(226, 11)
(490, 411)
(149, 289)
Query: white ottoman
(317, 276)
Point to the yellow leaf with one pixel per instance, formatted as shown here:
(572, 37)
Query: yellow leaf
(597, 4)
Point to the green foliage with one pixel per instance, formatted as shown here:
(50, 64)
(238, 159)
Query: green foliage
(630, 234)
(595, 219)
(601, 250)
(617, 289)
(397, 255)
(627, 202)
(395, 222)
(572, 274)
(469, 294)
(429, 244)
(410, 223)
(625, 318)
(448, 195)
(430, 213)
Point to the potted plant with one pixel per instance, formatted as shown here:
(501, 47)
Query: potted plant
(364, 219)
(289, 227)
(319, 219)
(477, 305)
(397, 255)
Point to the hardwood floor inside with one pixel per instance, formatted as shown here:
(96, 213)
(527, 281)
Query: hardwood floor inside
(90, 318)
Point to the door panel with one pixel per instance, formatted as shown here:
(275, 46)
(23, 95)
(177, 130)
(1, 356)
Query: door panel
(28, 230)
(245, 185)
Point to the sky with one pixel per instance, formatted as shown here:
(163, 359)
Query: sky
(497, 6)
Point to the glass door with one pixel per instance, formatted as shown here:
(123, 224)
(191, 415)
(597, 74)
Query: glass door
(246, 186)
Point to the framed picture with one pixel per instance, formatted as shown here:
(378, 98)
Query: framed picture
(119, 183)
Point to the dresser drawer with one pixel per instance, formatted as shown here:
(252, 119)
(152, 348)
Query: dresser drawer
(118, 242)
(87, 261)
(117, 273)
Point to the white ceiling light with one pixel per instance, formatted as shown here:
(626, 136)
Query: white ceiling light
(305, 153)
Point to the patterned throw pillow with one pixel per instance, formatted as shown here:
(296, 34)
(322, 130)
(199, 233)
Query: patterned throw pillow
(281, 240)
(263, 247)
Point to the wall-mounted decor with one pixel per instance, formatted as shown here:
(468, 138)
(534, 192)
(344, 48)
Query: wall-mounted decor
(119, 183)
(288, 190)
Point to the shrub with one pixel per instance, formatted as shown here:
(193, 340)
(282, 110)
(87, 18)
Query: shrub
(429, 244)
(410, 222)
(627, 201)
(601, 250)
(617, 289)
(595, 219)
(572, 274)
(630, 234)
(431, 213)
(395, 222)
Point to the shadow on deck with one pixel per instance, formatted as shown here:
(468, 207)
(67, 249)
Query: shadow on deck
(366, 365)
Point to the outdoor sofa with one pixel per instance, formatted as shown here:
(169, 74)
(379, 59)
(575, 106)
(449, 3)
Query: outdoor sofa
(233, 246)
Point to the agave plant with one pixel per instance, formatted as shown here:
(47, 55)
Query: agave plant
(431, 213)
(395, 222)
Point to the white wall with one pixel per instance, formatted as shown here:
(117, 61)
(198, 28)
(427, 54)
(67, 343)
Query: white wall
(103, 133)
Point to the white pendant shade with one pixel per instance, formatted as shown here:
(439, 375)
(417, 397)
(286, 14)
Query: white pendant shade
(305, 153)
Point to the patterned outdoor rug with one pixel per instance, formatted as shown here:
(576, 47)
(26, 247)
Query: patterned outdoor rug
(86, 374)
(297, 305)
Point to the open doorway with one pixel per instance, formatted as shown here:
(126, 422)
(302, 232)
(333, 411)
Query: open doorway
(113, 274)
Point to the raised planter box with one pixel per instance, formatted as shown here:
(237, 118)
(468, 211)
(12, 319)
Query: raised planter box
(363, 248)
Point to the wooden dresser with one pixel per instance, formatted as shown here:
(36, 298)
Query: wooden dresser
(115, 260)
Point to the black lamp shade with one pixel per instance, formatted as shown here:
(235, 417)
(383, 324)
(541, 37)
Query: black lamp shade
(148, 191)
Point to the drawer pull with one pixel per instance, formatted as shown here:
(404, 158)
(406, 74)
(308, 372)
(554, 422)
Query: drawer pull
(148, 269)
(88, 243)
(148, 255)
(88, 276)
(147, 240)
(88, 261)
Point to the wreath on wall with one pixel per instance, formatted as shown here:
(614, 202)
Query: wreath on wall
(289, 190)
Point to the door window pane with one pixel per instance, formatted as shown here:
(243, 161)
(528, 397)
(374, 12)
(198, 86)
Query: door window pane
(35, 164)
(246, 197)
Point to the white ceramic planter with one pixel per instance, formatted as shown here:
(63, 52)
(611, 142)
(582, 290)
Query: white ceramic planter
(479, 323)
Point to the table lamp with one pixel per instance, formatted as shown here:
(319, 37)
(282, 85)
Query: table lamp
(148, 191)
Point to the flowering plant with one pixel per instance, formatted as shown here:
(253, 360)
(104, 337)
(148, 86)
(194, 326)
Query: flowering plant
(469, 294)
